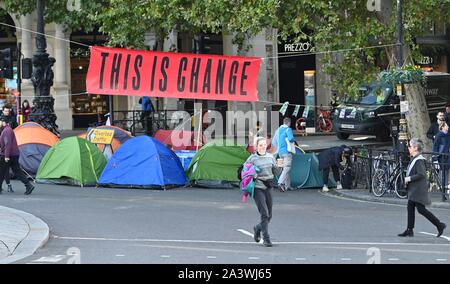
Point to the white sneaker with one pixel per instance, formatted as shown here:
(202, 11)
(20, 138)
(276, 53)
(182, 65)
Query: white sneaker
(325, 188)
(338, 185)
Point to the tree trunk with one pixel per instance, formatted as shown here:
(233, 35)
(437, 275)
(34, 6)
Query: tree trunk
(418, 119)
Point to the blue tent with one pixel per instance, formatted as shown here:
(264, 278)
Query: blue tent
(143, 162)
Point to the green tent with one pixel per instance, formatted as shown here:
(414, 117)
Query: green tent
(216, 164)
(74, 161)
(305, 172)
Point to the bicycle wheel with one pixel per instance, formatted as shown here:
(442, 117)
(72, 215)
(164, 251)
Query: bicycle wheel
(399, 186)
(300, 125)
(379, 183)
(325, 125)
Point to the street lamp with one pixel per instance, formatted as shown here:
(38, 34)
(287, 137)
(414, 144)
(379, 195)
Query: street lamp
(403, 129)
(42, 111)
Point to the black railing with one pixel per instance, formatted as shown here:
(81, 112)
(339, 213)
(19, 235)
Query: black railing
(367, 161)
(134, 121)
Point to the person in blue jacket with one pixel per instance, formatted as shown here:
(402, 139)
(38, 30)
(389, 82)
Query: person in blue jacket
(441, 148)
(282, 135)
(146, 116)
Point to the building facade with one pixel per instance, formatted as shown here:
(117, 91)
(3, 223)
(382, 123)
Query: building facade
(281, 78)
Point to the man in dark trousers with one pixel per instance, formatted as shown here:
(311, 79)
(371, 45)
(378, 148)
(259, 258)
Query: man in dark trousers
(9, 156)
(331, 158)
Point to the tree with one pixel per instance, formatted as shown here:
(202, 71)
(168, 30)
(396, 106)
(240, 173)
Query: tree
(59, 11)
(348, 25)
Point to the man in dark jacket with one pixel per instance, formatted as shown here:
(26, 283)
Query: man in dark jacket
(434, 127)
(8, 114)
(9, 156)
(331, 158)
(417, 186)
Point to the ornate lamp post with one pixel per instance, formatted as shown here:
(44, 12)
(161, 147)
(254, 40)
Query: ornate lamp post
(42, 78)
(403, 136)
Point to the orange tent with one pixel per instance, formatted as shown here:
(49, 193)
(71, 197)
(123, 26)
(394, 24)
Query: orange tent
(35, 135)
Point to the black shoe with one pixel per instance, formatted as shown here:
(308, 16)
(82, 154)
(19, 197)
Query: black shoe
(1, 189)
(10, 188)
(282, 188)
(407, 233)
(267, 243)
(441, 228)
(30, 189)
(256, 234)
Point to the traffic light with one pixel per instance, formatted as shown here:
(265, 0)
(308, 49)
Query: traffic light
(6, 63)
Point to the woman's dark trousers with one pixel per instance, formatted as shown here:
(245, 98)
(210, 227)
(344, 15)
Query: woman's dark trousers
(263, 200)
(423, 211)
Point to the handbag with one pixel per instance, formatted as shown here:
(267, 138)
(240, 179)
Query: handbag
(290, 145)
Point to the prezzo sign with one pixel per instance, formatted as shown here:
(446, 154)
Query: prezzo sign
(297, 47)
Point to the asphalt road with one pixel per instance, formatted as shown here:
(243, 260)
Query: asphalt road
(192, 226)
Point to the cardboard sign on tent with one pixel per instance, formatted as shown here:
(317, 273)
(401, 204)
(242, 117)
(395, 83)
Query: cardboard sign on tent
(120, 136)
(143, 162)
(216, 164)
(34, 141)
(73, 161)
(305, 172)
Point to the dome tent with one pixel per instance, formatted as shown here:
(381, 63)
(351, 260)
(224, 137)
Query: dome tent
(73, 161)
(216, 164)
(305, 172)
(34, 141)
(143, 162)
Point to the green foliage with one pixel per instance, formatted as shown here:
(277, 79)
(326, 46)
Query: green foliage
(347, 24)
(330, 25)
(409, 74)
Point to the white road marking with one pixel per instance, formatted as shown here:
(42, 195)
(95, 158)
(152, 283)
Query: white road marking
(360, 138)
(393, 259)
(253, 258)
(239, 242)
(441, 259)
(120, 255)
(430, 234)
(165, 256)
(50, 259)
(346, 259)
(211, 257)
(300, 258)
(248, 234)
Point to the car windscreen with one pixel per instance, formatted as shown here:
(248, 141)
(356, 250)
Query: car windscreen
(374, 95)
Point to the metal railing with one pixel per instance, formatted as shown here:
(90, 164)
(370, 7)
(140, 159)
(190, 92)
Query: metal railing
(367, 162)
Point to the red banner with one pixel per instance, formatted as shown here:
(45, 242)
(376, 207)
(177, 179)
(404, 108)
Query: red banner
(117, 71)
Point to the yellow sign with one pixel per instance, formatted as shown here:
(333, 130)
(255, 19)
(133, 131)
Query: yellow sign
(100, 136)
(399, 90)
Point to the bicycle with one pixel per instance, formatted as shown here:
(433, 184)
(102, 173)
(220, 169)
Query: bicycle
(390, 178)
(435, 179)
(324, 121)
